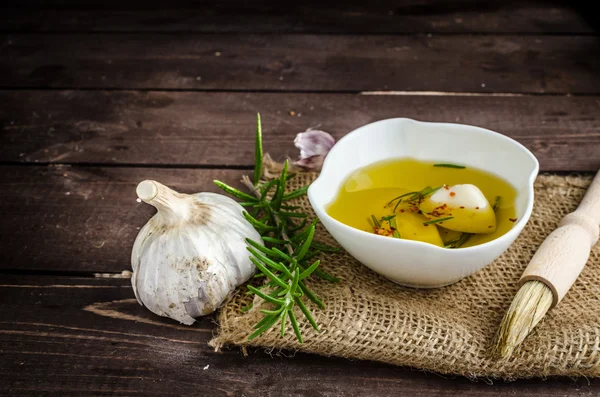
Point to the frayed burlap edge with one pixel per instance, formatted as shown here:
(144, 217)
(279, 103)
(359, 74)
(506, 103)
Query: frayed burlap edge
(447, 330)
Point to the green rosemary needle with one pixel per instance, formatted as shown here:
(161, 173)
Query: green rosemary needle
(375, 222)
(438, 220)
(448, 165)
(496, 203)
(457, 242)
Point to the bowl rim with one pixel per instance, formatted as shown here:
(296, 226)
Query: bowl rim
(507, 237)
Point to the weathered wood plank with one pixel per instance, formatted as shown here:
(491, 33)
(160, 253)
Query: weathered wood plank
(82, 219)
(348, 63)
(357, 16)
(191, 128)
(62, 336)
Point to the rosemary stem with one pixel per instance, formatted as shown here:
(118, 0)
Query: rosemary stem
(254, 190)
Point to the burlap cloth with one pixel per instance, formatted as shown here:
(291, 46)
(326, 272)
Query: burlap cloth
(449, 330)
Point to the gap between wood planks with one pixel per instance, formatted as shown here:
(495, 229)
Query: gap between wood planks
(126, 165)
(442, 93)
(124, 274)
(425, 33)
(300, 91)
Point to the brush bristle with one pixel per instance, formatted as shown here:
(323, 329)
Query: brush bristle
(528, 307)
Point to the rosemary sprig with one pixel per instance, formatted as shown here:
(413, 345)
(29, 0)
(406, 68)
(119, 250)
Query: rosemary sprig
(415, 197)
(288, 260)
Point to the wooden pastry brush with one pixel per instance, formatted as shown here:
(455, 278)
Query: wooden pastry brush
(552, 271)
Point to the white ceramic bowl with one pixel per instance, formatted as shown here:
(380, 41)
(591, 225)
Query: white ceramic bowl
(413, 263)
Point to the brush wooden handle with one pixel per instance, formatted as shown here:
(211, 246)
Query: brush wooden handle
(561, 257)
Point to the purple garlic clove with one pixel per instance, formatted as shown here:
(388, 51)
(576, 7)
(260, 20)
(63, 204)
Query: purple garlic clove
(314, 146)
(311, 163)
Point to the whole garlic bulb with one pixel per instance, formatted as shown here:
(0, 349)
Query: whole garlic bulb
(191, 255)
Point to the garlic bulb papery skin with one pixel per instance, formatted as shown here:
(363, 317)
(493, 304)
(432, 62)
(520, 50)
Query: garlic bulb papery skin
(191, 255)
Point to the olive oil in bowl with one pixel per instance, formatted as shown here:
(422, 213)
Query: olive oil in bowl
(447, 205)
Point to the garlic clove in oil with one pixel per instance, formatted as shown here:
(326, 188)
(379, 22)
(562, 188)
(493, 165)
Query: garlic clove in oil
(191, 255)
(465, 208)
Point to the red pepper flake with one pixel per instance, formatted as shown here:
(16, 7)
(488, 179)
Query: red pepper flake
(382, 232)
(401, 210)
(446, 187)
(489, 227)
(452, 194)
(462, 208)
(476, 208)
(512, 219)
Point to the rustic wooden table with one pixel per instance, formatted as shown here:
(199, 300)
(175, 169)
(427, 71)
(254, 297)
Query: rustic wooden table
(97, 97)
